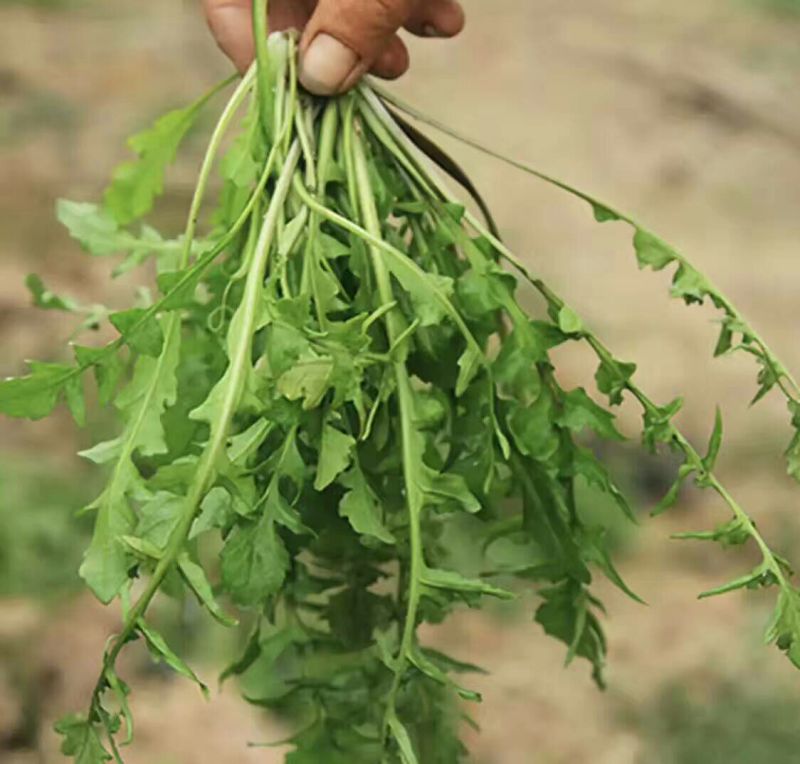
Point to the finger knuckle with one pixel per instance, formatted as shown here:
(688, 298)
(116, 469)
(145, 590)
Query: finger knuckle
(392, 13)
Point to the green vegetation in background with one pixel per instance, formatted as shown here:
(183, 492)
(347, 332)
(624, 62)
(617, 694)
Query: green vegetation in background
(778, 6)
(41, 541)
(733, 724)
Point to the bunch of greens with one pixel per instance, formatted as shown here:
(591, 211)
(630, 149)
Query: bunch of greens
(329, 378)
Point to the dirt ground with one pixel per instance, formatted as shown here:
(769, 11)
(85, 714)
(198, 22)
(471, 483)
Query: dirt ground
(683, 113)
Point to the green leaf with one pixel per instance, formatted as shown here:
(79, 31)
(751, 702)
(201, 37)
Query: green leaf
(45, 299)
(448, 488)
(760, 576)
(652, 252)
(142, 548)
(140, 330)
(613, 379)
(100, 235)
(142, 403)
(336, 453)
(73, 394)
(121, 692)
(532, 428)
(603, 214)
(195, 577)
(733, 533)
(689, 285)
(427, 308)
(136, 184)
(784, 630)
(308, 381)
(595, 549)
(792, 453)
(469, 364)
(714, 444)
(768, 376)
(586, 464)
(36, 395)
(361, 507)
(161, 650)
(433, 671)
(566, 614)
(251, 654)
(658, 427)
(514, 370)
(108, 369)
(81, 740)
(401, 737)
(569, 321)
(671, 497)
(254, 563)
(452, 581)
(580, 411)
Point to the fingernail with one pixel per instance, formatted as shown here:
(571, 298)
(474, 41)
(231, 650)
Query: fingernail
(429, 30)
(326, 64)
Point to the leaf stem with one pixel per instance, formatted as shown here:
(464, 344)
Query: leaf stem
(219, 428)
(781, 372)
(395, 326)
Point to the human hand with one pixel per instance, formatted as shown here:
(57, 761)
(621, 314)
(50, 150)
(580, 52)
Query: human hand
(342, 39)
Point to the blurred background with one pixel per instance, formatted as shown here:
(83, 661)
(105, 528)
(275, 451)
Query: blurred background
(684, 113)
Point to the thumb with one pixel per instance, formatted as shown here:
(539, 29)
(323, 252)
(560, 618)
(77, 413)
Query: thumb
(344, 38)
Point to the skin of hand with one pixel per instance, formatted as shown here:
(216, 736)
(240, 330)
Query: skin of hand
(341, 39)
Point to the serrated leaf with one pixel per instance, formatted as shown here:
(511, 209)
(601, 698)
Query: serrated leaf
(36, 395)
(195, 577)
(142, 548)
(142, 403)
(437, 578)
(81, 740)
(433, 671)
(45, 299)
(532, 428)
(733, 533)
(469, 364)
(689, 285)
(671, 497)
(566, 614)
(254, 563)
(336, 453)
(73, 394)
(784, 629)
(758, 577)
(140, 330)
(658, 427)
(100, 235)
(603, 214)
(361, 507)
(652, 252)
(586, 464)
(714, 444)
(308, 380)
(160, 649)
(447, 488)
(108, 368)
(569, 321)
(136, 184)
(613, 379)
(580, 411)
(595, 550)
(401, 737)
